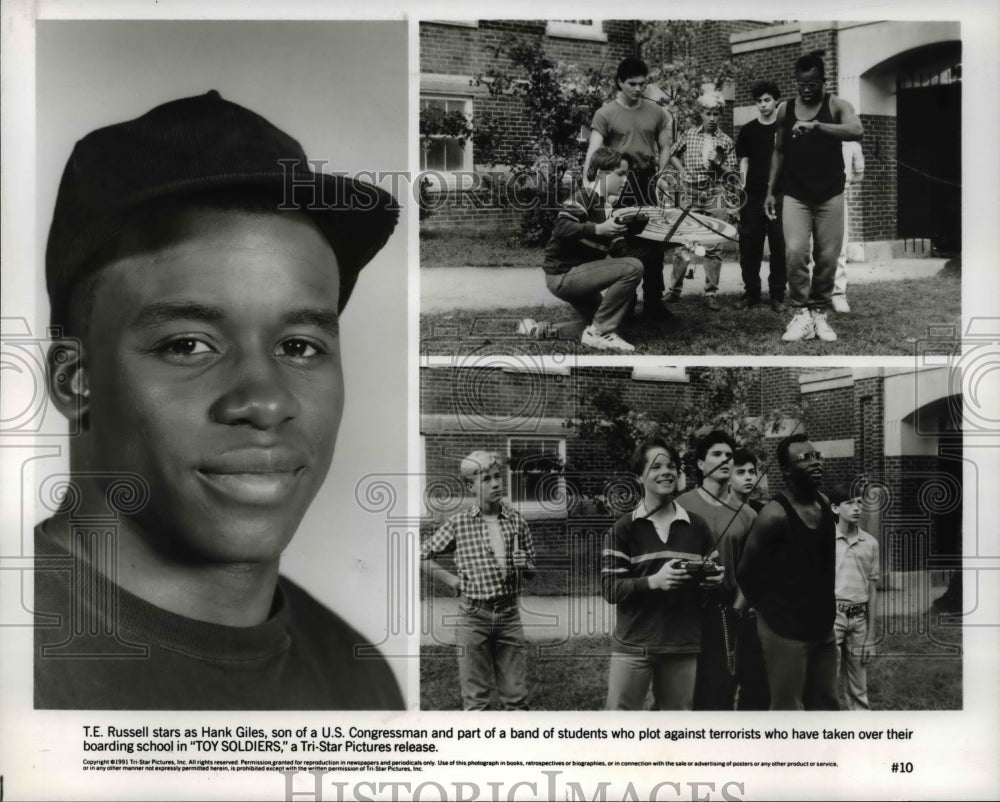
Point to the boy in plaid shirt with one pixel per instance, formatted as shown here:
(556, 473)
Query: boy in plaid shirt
(704, 157)
(857, 573)
(492, 545)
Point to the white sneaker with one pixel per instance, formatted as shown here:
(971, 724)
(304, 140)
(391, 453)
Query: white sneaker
(609, 341)
(840, 304)
(823, 330)
(527, 327)
(800, 327)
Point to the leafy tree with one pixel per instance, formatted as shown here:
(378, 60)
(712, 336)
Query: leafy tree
(723, 398)
(559, 99)
(673, 50)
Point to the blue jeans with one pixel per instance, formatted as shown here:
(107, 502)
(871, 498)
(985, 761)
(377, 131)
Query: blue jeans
(802, 674)
(672, 676)
(710, 203)
(824, 222)
(581, 288)
(851, 635)
(491, 649)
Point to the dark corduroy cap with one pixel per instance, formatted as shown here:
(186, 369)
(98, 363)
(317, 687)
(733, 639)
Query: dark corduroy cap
(195, 145)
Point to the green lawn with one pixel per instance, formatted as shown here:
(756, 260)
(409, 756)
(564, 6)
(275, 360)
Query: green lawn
(460, 248)
(888, 318)
(913, 672)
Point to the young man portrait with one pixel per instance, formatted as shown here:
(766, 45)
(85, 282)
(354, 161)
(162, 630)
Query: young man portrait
(199, 269)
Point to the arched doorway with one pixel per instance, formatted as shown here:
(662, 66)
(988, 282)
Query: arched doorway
(929, 145)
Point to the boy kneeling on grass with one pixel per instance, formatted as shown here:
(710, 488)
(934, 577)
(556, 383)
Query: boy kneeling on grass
(577, 264)
(857, 573)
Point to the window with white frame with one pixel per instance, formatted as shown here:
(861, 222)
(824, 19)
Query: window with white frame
(535, 473)
(442, 155)
(577, 29)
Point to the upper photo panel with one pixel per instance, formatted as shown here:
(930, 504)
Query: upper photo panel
(689, 187)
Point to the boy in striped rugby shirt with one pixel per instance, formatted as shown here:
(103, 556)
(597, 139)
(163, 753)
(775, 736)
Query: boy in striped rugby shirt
(657, 634)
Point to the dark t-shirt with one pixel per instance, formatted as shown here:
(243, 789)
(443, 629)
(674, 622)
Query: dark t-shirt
(99, 647)
(755, 142)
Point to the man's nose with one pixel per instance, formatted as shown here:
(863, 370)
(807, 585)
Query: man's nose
(257, 394)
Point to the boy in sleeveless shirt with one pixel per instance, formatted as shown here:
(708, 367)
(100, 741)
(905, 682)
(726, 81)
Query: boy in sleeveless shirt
(808, 165)
(787, 574)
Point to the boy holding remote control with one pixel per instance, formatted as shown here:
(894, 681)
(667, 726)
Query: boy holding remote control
(654, 572)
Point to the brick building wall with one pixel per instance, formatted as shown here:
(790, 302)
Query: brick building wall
(874, 210)
(872, 206)
(851, 417)
(459, 50)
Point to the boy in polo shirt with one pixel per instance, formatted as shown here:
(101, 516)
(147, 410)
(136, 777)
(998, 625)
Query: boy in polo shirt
(657, 634)
(857, 573)
(492, 545)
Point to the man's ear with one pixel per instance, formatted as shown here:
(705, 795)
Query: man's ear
(67, 379)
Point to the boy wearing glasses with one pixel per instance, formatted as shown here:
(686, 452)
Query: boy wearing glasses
(808, 165)
(857, 573)
(787, 574)
(657, 634)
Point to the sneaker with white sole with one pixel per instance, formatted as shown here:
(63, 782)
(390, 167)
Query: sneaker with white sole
(800, 327)
(840, 304)
(527, 327)
(822, 327)
(608, 341)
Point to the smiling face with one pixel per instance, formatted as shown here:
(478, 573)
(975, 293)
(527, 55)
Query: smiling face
(213, 370)
(659, 477)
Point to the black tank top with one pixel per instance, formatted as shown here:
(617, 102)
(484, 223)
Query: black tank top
(814, 162)
(802, 604)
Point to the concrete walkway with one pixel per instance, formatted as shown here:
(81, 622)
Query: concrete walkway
(445, 289)
(558, 618)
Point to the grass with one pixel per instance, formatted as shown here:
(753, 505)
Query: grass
(914, 671)
(461, 247)
(888, 318)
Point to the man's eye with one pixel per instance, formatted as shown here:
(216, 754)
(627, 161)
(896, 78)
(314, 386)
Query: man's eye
(296, 347)
(186, 346)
